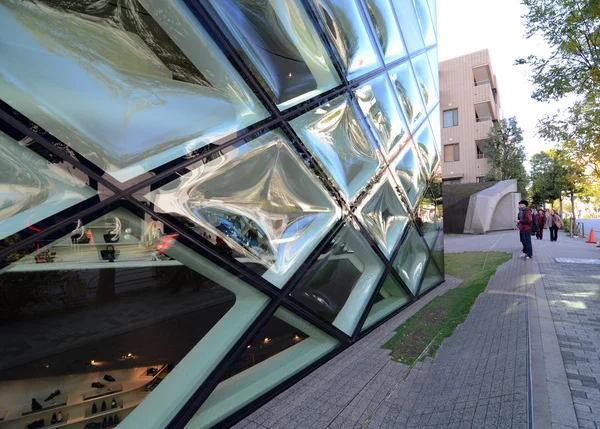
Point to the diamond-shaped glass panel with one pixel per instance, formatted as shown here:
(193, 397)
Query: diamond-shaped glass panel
(431, 278)
(411, 260)
(32, 188)
(390, 297)
(130, 87)
(422, 9)
(260, 201)
(407, 91)
(409, 25)
(384, 216)
(409, 174)
(380, 106)
(339, 284)
(386, 28)
(281, 47)
(433, 9)
(130, 314)
(344, 24)
(438, 252)
(335, 135)
(432, 56)
(435, 121)
(426, 145)
(284, 346)
(425, 81)
(427, 218)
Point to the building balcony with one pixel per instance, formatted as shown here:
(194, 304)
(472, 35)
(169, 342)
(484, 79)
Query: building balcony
(482, 92)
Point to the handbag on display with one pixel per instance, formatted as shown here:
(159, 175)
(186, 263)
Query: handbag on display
(114, 235)
(109, 254)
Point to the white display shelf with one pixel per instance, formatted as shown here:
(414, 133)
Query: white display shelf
(56, 402)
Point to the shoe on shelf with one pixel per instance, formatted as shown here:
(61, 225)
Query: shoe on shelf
(103, 407)
(104, 423)
(53, 420)
(59, 417)
(151, 371)
(94, 409)
(116, 421)
(97, 385)
(37, 424)
(35, 405)
(110, 421)
(113, 404)
(109, 377)
(52, 395)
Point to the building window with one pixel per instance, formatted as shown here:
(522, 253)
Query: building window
(451, 181)
(480, 154)
(451, 152)
(480, 179)
(450, 118)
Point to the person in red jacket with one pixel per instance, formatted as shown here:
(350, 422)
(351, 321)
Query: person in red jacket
(524, 224)
(541, 222)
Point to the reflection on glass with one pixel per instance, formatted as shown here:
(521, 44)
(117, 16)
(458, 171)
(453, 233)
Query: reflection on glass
(258, 202)
(408, 23)
(408, 94)
(434, 120)
(431, 278)
(334, 133)
(427, 218)
(409, 174)
(382, 15)
(390, 297)
(426, 145)
(107, 328)
(422, 9)
(280, 44)
(339, 284)
(380, 106)
(438, 252)
(285, 346)
(32, 188)
(348, 32)
(425, 81)
(411, 260)
(145, 82)
(384, 216)
(432, 56)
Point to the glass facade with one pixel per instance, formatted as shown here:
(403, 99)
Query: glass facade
(200, 202)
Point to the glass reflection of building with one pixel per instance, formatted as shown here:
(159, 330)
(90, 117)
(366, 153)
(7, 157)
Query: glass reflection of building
(200, 202)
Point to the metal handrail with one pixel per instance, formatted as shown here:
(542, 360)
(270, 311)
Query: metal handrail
(483, 119)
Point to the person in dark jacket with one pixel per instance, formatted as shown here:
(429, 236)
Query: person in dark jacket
(524, 224)
(541, 222)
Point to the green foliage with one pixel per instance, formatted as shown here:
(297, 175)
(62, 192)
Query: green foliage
(506, 154)
(572, 30)
(438, 319)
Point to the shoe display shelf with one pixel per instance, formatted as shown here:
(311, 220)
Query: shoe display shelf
(78, 413)
(3, 414)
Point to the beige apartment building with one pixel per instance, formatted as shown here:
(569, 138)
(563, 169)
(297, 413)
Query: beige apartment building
(470, 102)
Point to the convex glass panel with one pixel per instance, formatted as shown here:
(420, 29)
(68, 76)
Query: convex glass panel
(390, 297)
(258, 202)
(334, 133)
(425, 81)
(427, 218)
(280, 45)
(284, 346)
(339, 284)
(408, 93)
(425, 21)
(431, 278)
(116, 320)
(409, 174)
(348, 32)
(426, 145)
(145, 84)
(380, 106)
(410, 26)
(384, 216)
(386, 28)
(411, 260)
(33, 188)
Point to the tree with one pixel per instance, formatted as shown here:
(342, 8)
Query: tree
(543, 175)
(572, 30)
(506, 155)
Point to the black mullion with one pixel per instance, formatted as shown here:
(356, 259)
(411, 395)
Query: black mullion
(322, 33)
(54, 228)
(212, 254)
(42, 141)
(370, 303)
(315, 320)
(312, 258)
(204, 390)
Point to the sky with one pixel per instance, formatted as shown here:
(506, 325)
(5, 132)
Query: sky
(466, 26)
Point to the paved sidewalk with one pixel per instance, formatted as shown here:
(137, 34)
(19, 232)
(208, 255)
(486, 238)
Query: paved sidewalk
(482, 376)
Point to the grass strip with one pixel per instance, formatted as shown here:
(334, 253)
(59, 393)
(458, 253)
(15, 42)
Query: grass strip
(438, 319)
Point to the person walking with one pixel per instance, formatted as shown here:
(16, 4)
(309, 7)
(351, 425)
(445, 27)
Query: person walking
(554, 224)
(525, 222)
(541, 222)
